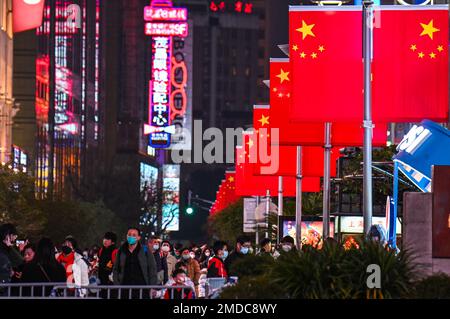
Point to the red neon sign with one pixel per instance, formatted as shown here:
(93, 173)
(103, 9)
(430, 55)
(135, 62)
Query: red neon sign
(165, 14)
(166, 29)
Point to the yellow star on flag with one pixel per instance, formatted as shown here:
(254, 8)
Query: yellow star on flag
(295, 47)
(432, 55)
(283, 76)
(429, 29)
(250, 144)
(303, 55)
(231, 179)
(314, 55)
(275, 89)
(321, 48)
(306, 30)
(264, 120)
(413, 47)
(421, 55)
(440, 48)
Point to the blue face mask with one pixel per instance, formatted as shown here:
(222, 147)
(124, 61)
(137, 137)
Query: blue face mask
(225, 254)
(131, 240)
(244, 250)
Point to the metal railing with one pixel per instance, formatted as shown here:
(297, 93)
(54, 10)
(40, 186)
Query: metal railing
(70, 291)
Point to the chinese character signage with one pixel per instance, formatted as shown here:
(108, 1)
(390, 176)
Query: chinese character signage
(236, 6)
(164, 23)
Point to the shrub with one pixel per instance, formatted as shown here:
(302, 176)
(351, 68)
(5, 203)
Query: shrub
(433, 287)
(259, 287)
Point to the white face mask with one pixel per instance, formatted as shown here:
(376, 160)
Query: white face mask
(286, 248)
(192, 255)
(165, 249)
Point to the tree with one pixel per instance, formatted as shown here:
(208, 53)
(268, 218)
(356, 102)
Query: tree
(87, 222)
(227, 224)
(18, 204)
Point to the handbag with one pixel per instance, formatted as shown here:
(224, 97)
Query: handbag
(54, 293)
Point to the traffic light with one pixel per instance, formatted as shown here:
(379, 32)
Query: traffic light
(189, 211)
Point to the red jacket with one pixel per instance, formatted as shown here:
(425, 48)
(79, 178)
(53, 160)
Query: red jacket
(216, 268)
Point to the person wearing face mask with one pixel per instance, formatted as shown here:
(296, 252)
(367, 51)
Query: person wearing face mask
(160, 256)
(216, 266)
(287, 244)
(133, 265)
(192, 267)
(77, 267)
(153, 244)
(166, 248)
(242, 249)
(176, 251)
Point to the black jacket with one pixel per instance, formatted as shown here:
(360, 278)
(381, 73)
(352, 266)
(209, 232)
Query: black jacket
(146, 262)
(5, 268)
(234, 256)
(36, 273)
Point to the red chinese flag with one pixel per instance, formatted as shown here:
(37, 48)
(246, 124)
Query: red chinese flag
(293, 132)
(27, 15)
(326, 60)
(249, 184)
(282, 160)
(410, 64)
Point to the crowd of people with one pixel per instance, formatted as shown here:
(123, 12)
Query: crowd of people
(133, 262)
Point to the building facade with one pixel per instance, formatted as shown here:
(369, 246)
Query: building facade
(8, 106)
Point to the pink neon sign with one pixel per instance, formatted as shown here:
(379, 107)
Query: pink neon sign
(166, 29)
(165, 14)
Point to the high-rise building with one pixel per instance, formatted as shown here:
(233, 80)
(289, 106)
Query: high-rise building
(8, 106)
(67, 100)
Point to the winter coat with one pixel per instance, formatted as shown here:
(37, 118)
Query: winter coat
(216, 268)
(193, 270)
(5, 268)
(33, 272)
(234, 256)
(77, 270)
(146, 262)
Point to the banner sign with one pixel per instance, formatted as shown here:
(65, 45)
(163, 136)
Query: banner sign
(425, 145)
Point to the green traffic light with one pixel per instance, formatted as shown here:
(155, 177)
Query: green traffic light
(189, 211)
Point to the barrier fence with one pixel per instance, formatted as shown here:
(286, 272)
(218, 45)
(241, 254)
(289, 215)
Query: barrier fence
(213, 287)
(65, 291)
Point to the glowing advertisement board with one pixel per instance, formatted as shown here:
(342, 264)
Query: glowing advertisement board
(164, 23)
(311, 231)
(171, 198)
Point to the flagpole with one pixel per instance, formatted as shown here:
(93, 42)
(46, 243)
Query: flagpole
(326, 182)
(298, 199)
(367, 124)
(267, 213)
(280, 206)
(257, 224)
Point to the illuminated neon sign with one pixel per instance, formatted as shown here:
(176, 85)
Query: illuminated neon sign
(234, 6)
(165, 29)
(165, 14)
(165, 23)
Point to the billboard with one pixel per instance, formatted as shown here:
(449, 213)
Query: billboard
(149, 193)
(171, 198)
(312, 231)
